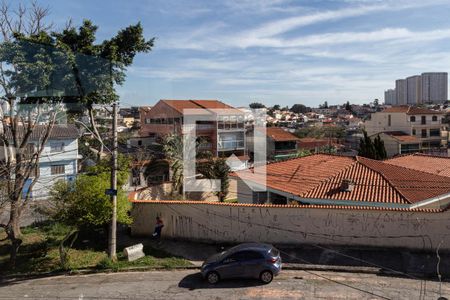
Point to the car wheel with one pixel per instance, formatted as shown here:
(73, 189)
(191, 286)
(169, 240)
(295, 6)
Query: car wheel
(213, 277)
(266, 276)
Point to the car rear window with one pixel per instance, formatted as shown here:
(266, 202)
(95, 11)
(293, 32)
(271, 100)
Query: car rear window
(274, 252)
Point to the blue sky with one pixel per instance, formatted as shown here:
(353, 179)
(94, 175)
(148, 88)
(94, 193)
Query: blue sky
(276, 52)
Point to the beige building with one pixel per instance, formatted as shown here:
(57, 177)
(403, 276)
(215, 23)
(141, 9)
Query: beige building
(407, 129)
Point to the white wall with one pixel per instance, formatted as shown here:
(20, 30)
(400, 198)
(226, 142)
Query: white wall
(294, 225)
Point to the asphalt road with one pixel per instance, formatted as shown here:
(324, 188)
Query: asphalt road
(187, 284)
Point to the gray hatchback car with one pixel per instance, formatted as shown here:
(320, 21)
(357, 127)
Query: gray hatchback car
(250, 260)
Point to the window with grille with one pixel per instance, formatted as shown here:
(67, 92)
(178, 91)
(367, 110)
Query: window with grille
(58, 169)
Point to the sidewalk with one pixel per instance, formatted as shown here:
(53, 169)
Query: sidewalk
(395, 262)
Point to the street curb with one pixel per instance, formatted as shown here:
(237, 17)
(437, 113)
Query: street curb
(16, 277)
(287, 266)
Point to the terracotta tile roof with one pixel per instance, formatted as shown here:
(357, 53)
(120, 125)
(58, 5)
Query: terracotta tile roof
(370, 186)
(413, 185)
(312, 143)
(320, 176)
(426, 163)
(402, 136)
(411, 110)
(280, 135)
(300, 175)
(66, 131)
(180, 105)
(132, 197)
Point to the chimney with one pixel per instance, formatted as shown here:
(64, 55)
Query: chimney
(347, 185)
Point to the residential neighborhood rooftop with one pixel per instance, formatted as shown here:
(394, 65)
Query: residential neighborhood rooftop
(180, 105)
(411, 110)
(422, 162)
(280, 135)
(59, 131)
(321, 176)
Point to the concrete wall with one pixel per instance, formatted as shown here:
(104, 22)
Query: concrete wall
(163, 192)
(295, 225)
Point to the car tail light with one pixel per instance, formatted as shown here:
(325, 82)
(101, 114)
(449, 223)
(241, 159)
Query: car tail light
(272, 260)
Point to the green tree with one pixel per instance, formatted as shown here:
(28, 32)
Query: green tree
(83, 205)
(217, 168)
(372, 149)
(256, 105)
(173, 150)
(300, 108)
(104, 63)
(324, 105)
(380, 150)
(49, 69)
(348, 107)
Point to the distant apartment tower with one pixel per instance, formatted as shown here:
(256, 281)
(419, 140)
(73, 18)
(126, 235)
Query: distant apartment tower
(390, 97)
(401, 91)
(414, 89)
(434, 87)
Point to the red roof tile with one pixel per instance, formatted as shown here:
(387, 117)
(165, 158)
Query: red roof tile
(426, 163)
(411, 110)
(321, 176)
(180, 105)
(414, 185)
(402, 136)
(280, 135)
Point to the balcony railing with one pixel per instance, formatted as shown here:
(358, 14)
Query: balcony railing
(232, 144)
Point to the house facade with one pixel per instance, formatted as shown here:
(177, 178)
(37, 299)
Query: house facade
(280, 144)
(58, 161)
(223, 134)
(407, 129)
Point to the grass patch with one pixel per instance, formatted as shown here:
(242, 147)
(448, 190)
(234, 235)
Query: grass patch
(39, 253)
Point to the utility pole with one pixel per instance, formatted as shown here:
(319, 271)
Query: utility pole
(113, 225)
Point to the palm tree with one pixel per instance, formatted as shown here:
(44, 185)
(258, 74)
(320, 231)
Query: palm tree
(173, 149)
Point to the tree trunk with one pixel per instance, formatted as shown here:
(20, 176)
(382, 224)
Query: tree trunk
(14, 233)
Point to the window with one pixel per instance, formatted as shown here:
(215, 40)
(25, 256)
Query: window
(424, 133)
(412, 118)
(424, 120)
(435, 132)
(413, 132)
(389, 120)
(56, 147)
(434, 118)
(246, 255)
(58, 169)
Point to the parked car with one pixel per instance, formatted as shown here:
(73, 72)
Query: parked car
(249, 260)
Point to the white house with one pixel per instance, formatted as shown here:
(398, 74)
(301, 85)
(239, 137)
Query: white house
(58, 159)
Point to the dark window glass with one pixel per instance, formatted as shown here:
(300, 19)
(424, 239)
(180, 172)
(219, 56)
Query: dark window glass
(412, 118)
(424, 120)
(424, 133)
(435, 132)
(434, 118)
(246, 255)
